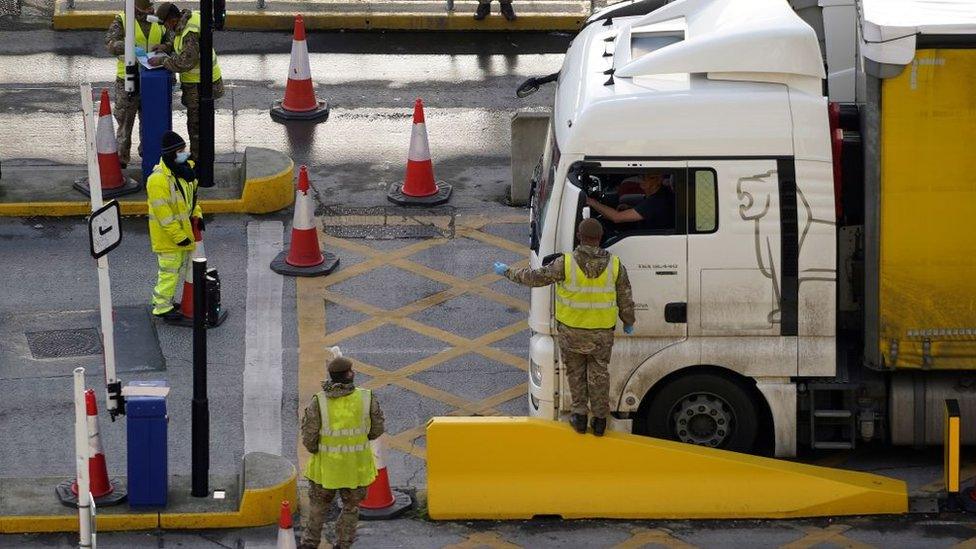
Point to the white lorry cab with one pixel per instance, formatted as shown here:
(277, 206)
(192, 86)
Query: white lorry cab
(737, 293)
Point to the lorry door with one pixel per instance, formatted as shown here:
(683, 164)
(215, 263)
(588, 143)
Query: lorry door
(743, 263)
(657, 266)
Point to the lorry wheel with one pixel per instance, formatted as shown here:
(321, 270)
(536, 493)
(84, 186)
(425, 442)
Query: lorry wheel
(704, 409)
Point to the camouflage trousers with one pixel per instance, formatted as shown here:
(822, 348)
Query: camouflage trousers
(586, 354)
(191, 100)
(125, 110)
(320, 500)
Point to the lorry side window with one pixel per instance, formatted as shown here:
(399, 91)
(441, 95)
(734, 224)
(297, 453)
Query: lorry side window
(704, 206)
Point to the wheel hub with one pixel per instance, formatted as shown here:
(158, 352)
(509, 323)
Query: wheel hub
(704, 419)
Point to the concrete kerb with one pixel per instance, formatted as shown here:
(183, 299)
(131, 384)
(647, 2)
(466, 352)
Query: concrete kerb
(67, 19)
(267, 186)
(264, 482)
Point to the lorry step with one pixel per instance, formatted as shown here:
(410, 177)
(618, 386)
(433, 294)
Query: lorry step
(833, 445)
(839, 414)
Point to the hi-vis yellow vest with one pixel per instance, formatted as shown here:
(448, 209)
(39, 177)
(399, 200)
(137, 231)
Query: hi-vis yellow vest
(155, 37)
(192, 76)
(583, 302)
(344, 459)
(169, 209)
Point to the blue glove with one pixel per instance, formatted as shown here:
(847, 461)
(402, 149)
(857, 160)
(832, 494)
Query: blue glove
(628, 329)
(500, 268)
(140, 52)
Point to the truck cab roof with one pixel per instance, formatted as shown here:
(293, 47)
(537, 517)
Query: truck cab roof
(693, 78)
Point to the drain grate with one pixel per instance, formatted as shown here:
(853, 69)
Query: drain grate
(65, 343)
(388, 223)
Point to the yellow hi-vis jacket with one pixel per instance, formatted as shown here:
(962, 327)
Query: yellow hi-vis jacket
(344, 458)
(156, 32)
(583, 302)
(192, 76)
(172, 202)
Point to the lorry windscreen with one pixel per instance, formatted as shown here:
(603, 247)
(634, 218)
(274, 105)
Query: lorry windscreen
(543, 186)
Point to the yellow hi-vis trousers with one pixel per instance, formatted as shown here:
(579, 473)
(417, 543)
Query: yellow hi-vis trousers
(171, 269)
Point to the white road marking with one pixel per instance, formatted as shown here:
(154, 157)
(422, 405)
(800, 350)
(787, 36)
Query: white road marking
(262, 343)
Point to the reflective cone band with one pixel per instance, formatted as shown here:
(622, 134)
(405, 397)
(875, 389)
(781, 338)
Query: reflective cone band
(304, 250)
(299, 102)
(381, 501)
(419, 187)
(286, 534)
(304, 257)
(97, 469)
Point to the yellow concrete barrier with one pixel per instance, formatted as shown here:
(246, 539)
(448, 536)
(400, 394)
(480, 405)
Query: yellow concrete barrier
(517, 468)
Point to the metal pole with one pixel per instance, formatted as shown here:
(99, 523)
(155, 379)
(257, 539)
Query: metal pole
(81, 461)
(206, 160)
(200, 429)
(131, 70)
(113, 387)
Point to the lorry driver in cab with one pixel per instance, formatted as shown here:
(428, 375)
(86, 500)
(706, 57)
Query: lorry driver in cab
(655, 211)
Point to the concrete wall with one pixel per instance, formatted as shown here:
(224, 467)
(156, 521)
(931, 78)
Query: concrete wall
(528, 138)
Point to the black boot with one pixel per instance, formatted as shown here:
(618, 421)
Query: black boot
(599, 425)
(578, 421)
(172, 314)
(508, 12)
(482, 12)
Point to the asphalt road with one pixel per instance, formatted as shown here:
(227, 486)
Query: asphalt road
(371, 80)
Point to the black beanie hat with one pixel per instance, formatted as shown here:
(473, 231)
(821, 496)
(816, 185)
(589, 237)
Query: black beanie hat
(172, 142)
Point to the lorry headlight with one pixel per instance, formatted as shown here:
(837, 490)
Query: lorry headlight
(535, 373)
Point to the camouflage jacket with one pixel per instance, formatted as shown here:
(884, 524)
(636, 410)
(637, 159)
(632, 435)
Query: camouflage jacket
(115, 35)
(189, 56)
(312, 419)
(593, 261)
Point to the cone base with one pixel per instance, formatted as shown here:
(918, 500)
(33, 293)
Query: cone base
(70, 499)
(129, 186)
(188, 322)
(396, 196)
(280, 266)
(401, 504)
(319, 114)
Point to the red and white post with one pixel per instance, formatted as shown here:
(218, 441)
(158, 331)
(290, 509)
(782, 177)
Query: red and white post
(86, 532)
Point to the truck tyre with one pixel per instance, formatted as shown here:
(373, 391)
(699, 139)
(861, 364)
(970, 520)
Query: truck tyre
(704, 409)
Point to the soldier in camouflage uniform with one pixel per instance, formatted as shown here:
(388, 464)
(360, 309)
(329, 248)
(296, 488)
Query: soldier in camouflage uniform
(592, 289)
(126, 107)
(184, 59)
(342, 460)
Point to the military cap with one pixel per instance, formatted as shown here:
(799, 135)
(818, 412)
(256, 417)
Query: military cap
(165, 9)
(591, 229)
(143, 4)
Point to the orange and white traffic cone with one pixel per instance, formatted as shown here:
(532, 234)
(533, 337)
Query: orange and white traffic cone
(286, 534)
(304, 257)
(419, 187)
(381, 502)
(114, 182)
(186, 300)
(103, 490)
(300, 102)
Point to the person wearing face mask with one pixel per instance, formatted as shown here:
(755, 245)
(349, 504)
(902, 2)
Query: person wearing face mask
(173, 210)
(184, 59)
(147, 36)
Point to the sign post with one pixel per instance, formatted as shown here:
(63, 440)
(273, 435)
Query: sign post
(86, 535)
(101, 221)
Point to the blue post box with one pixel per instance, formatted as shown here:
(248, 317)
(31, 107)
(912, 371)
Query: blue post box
(146, 426)
(156, 104)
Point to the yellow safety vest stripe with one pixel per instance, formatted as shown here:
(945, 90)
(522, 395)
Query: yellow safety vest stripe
(192, 76)
(155, 37)
(583, 302)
